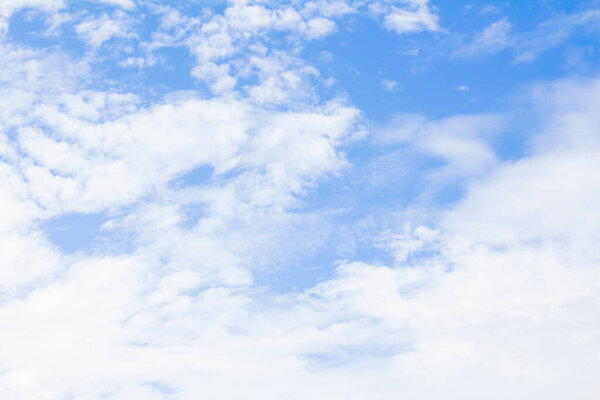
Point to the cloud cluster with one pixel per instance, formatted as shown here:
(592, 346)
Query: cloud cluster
(493, 295)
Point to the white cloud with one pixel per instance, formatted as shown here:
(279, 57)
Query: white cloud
(413, 16)
(494, 296)
(410, 52)
(97, 30)
(228, 46)
(403, 21)
(501, 299)
(128, 155)
(318, 27)
(390, 85)
(461, 141)
(77, 150)
(7, 7)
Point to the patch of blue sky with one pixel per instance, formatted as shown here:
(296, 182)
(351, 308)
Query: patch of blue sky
(77, 231)
(199, 176)
(346, 240)
(161, 388)
(191, 215)
(92, 233)
(346, 355)
(428, 74)
(359, 203)
(381, 177)
(352, 238)
(30, 28)
(352, 225)
(152, 83)
(171, 72)
(197, 7)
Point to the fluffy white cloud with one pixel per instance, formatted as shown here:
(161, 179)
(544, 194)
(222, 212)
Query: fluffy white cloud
(98, 30)
(88, 165)
(493, 296)
(410, 17)
(508, 290)
(238, 45)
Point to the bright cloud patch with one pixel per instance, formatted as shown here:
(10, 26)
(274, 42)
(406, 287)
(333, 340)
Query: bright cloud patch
(292, 200)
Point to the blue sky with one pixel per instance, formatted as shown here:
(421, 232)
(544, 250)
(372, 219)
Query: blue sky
(345, 199)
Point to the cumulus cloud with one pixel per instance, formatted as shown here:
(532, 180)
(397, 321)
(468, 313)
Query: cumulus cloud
(239, 44)
(412, 16)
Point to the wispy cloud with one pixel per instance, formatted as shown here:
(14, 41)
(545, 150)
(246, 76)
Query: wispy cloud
(554, 32)
(390, 85)
(494, 38)
(527, 45)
